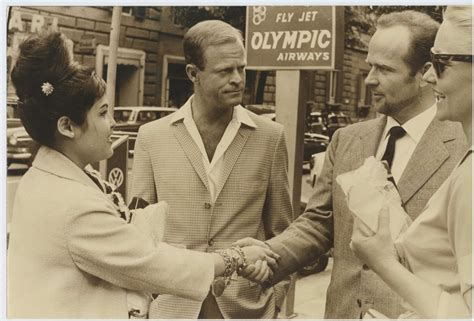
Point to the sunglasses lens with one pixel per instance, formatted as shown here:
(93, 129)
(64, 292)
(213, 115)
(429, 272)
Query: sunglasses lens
(438, 67)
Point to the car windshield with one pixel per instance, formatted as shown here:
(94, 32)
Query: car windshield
(122, 116)
(342, 120)
(146, 116)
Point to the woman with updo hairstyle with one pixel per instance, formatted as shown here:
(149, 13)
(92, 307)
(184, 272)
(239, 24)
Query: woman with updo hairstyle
(430, 266)
(72, 253)
(46, 63)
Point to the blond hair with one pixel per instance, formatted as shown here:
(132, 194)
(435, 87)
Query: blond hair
(204, 34)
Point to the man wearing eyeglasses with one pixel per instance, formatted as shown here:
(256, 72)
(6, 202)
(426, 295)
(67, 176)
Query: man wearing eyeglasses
(420, 151)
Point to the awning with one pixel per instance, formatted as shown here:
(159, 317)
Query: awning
(124, 61)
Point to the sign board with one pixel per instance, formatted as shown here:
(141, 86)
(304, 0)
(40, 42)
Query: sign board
(87, 44)
(293, 37)
(115, 169)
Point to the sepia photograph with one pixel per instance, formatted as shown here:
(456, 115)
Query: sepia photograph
(238, 162)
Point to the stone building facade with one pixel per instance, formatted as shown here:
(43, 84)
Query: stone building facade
(150, 65)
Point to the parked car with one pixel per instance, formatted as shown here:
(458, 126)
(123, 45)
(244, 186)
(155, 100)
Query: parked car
(21, 148)
(316, 166)
(129, 120)
(316, 123)
(267, 111)
(336, 121)
(314, 143)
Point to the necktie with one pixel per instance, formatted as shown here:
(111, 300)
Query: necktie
(395, 133)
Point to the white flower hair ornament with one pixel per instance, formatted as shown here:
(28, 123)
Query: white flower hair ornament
(47, 88)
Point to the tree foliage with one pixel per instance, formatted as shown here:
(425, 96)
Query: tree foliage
(360, 20)
(189, 16)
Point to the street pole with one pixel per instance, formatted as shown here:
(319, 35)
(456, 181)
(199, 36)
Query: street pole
(111, 77)
(113, 47)
(291, 97)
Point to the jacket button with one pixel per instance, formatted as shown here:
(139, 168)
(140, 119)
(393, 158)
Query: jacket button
(210, 242)
(365, 267)
(207, 205)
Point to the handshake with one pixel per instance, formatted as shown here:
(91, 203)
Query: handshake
(260, 260)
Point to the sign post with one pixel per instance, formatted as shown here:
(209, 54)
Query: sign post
(113, 48)
(293, 40)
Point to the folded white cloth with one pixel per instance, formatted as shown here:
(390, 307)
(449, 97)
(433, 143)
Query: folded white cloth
(150, 220)
(368, 191)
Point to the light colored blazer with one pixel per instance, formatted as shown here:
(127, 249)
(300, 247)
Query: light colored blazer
(328, 222)
(71, 256)
(253, 200)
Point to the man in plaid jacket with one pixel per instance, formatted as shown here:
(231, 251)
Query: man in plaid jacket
(221, 169)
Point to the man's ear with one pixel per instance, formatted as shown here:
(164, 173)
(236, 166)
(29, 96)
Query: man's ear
(424, 69)
(65, 127)
(192, 72)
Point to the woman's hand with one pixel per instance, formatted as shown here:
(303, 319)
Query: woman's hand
(375, 250)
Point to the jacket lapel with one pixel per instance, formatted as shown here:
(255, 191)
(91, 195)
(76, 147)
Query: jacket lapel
(232, 154)
(190, 149)
(370, 139)
(429, 155)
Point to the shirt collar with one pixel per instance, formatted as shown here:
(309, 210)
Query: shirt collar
(240, 114)
(416, 126)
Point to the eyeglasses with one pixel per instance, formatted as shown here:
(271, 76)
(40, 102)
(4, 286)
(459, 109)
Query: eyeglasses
(440, 60)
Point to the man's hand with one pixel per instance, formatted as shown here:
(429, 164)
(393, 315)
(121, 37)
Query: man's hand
(247, 241)
(258, 271)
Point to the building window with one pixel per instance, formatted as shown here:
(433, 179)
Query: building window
(175, 18)
(365, 95)
(334, 89)
(176, 86)
(130, 79)
(127, 11)
(365, 92)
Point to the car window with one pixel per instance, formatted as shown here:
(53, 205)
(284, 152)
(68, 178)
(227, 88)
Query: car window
(333, 120)
(166, 113)
(146, 116)
(122, 116)
(342, 120)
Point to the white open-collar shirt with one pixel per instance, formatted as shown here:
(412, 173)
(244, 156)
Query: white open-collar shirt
(214, 168)
(405, 146)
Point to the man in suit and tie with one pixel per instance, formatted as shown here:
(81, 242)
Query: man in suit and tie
(420, 150)
(221, 169)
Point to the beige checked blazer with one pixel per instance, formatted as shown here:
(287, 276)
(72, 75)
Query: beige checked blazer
(71, 256)
(252, 200)
(328, 222)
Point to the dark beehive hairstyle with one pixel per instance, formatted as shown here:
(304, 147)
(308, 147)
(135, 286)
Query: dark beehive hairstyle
(45, 58)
